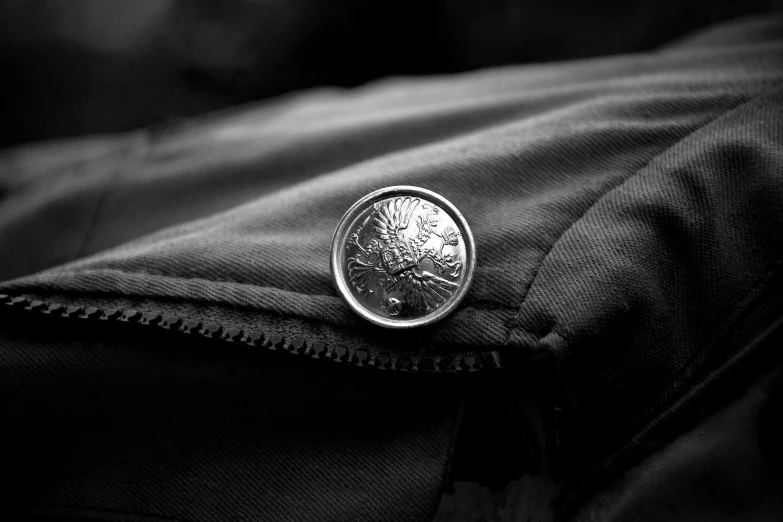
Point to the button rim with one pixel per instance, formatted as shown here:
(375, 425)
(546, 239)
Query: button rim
(337, 254)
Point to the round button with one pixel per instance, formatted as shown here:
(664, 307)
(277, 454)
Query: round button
(403, 257)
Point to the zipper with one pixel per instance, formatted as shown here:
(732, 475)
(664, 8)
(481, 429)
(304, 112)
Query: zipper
(313, 349)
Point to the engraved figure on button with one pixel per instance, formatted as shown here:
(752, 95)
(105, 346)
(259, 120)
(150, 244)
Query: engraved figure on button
(394, 261)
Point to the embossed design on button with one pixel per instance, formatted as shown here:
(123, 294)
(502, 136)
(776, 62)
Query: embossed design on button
(403, 257)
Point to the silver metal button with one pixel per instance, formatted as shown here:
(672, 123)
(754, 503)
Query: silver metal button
(403, 257)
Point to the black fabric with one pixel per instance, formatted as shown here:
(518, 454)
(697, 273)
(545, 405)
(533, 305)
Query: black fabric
(720, 465)
(659, 274)
(624, 211)
(114, 423)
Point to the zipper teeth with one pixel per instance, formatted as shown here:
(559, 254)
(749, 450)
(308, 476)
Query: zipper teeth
(315, 349)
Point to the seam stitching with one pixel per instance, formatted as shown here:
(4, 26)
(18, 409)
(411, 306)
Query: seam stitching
(477, 303)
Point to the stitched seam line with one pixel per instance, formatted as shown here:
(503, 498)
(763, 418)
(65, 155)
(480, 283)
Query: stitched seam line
(108, 187)
(481, 303)
(96, 211)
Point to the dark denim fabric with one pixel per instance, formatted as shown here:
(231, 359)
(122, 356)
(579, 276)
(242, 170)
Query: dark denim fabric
(625, 212)
(108, 423)
(715, 463)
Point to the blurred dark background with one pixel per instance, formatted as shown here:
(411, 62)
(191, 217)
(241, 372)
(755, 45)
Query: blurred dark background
(75, 67)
